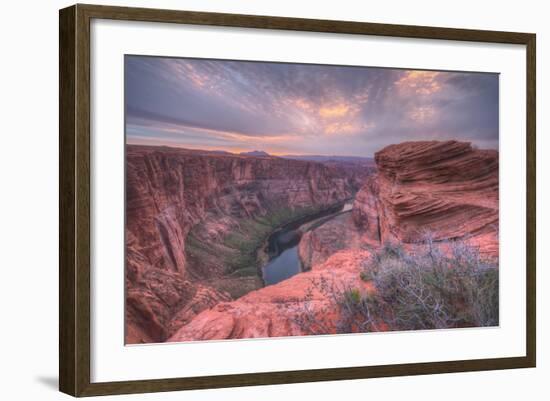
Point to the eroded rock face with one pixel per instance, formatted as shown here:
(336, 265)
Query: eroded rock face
(365, 211)
(272, 311)
(158, 301)
(446, 190)
(339, 233)
(170, 192)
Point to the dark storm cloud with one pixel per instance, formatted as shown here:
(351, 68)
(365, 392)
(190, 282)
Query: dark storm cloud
(297, 108)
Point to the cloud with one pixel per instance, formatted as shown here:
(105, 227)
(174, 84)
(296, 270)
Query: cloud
(301, 108)
(422, 114)
(422, 83)
(338, 110)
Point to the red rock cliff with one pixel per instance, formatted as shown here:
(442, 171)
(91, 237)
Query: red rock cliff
(169, 192)
(448, 189)
(272, 311)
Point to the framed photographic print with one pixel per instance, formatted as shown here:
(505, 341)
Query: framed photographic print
(251, 200)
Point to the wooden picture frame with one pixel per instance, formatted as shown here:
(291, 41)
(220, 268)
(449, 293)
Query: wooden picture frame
(74, 199)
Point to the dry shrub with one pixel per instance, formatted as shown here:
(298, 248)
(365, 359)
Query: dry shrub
(434, 285)
(351, 308)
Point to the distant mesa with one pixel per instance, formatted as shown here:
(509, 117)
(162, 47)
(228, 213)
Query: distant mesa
(256, 153)
(333, 159)
(218, 152)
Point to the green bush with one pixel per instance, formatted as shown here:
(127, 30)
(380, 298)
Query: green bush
(352, 296)
(367, 275)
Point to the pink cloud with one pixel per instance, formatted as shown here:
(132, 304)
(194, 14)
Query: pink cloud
(419, 82)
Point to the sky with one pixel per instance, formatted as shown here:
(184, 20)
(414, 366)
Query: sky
(303, 109)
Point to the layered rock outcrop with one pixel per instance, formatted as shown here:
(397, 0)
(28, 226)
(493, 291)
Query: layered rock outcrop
(178, 200)
(445, 190)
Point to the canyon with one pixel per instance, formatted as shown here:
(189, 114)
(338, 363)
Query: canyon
(197, 222)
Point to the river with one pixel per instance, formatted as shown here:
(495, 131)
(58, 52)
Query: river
(282, 245)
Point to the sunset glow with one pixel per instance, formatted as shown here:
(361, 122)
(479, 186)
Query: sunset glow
(303, 109)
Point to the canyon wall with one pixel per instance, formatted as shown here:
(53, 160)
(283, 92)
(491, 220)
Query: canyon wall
(339, 233)
(190, 217)
(446, 190)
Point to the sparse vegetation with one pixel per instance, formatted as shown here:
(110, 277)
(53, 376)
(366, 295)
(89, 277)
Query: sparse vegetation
(366, 275)
(429, 286)
(435, 285)
(237, 253)
(236, 287)
(251, 234)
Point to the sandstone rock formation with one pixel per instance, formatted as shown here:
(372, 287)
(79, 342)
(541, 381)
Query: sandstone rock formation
(339, 233)
(188, 215)
(365, 211)
(272, 311)
(446, 190)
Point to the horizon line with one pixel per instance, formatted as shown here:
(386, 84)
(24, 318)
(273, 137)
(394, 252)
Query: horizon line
(276, 154)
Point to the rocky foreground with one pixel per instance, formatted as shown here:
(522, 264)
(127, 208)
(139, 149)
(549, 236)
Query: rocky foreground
(195, 219)
(441, 190)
